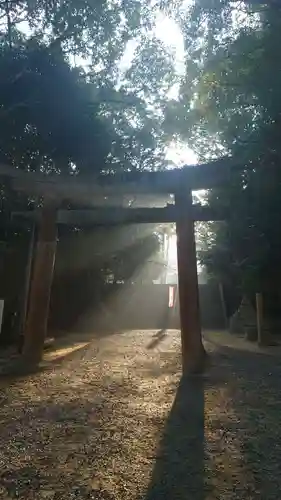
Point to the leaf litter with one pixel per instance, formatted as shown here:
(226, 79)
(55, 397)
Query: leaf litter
(114, 422)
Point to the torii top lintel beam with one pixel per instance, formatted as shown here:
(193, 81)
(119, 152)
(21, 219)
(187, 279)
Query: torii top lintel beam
(204, 176)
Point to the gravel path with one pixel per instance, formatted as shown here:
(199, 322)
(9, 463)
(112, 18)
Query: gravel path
(114, 422)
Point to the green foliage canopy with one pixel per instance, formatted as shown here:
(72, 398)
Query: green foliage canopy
(230, 104)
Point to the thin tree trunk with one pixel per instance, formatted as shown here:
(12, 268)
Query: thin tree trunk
(223, 305)
(9, 23)
(263, 339)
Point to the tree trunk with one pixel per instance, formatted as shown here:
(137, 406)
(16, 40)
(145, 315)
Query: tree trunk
(264, 337)
(193, 353)
(40, 288)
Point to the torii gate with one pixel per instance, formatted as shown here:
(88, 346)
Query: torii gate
(179, 182)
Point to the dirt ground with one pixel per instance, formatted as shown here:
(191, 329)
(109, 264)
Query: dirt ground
(114, 420)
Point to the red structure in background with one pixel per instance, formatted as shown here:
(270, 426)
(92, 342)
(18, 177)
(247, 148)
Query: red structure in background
(172, 296)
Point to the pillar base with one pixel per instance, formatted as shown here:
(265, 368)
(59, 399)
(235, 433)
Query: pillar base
(197, 365)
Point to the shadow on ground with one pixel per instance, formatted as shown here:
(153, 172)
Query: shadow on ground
(183, 437)
(91, 431)
(158, 337)
(232, 455)
(64, 448)
(65, 348)
(254, 386)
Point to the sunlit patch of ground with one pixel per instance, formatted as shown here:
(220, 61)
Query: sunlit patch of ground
(62, 352)
(112, 422)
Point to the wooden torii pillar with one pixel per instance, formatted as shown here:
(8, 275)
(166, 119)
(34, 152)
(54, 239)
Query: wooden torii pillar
(193, 353)
(40, 286)
(205, 176)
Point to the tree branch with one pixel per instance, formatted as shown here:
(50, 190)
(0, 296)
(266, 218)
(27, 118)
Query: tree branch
(9, 23)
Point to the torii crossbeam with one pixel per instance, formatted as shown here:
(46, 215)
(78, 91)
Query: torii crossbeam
(88, 190)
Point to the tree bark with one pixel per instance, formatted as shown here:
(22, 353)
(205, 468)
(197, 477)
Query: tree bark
(223, 305)
(40, 288)
(263, 335)
(193, 353)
